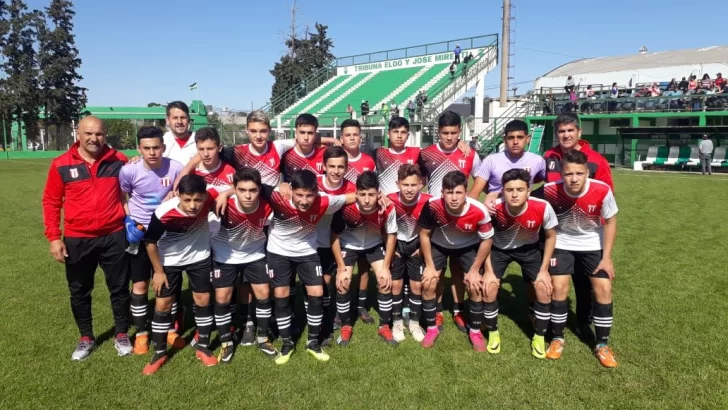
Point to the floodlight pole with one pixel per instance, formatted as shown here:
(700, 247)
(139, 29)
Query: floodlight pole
(505, 52)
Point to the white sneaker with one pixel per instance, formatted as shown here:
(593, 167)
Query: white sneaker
(398, 331)
(122, 344)
(84, 348)
(417, 333)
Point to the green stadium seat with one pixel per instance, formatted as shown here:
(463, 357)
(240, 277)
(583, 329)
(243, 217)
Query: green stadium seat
(673, 155)
(719, 157)
(656, 155)
(683, 156)
(301, 104)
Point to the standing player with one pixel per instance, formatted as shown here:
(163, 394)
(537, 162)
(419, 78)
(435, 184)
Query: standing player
(583, 247)
(179, 142)
(146, 183)
(331, 183)
(84, 183)
(407, 263)
(178, 240)
(389, 160)
(357, 232)
(292, 245)
(517, 221)
(436, 161)
(456, 227)
(568, 133)
(214, 171)
(359, 163)
(238, 250)
(305, 155)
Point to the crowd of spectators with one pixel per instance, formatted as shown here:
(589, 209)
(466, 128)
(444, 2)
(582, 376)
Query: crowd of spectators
(688, 94)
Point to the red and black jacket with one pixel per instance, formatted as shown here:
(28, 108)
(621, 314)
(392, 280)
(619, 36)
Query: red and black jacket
(598, 165)
(89, 195)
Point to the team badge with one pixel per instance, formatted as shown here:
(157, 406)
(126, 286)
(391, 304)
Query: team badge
(527, 169)
(166, 181)
(74, 173)
(552, 262)
(216, 273)
(272, 162)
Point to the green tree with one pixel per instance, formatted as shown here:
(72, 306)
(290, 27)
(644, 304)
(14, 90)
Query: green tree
(20, 67)
(305, 56)
(120, 134)
(59, 62)
(6, 108)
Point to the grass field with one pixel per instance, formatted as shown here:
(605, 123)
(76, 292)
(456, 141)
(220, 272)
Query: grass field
(670, 333)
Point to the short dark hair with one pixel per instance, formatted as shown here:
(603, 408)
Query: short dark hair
(516, 174)
(247, 174)
(179, 105)
(516, 125)
(574, 157)
(454, 179)
(367, 180)
(306, 119)
(150, 131)
(397, 122)
(350, 123)
(335, 151)
(407, 170)
(207, 133)
(304, 179)
(192, 184)
(566, 119)
(449, 119)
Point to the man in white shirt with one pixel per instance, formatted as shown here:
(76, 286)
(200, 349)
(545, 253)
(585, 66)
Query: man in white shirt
(179, 141)
(705, 150)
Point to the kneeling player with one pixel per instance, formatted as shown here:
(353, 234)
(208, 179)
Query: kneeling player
(292, 245)
(456, 227)
(408, 204)
(238, 250)
(357, 232)
(583, 247)
(178, 240)
(517, 221)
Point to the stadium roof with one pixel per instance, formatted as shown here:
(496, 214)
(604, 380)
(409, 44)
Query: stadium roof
(705, 55)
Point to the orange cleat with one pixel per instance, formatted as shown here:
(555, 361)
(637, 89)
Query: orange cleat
(175, 340)
(385, 333)
(155, 364)
(556, 348)
(459, 320)
(205, 356)
(439, 320)
(605, 356)
(141, 344)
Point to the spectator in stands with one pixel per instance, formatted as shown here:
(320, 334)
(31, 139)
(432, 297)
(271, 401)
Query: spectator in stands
(655, 90)
(548, 102)
(350, 111)
(683, 86)
(706, 84)
(614, 91)
(672, 89)
(452, 71)
(457, 52)
(719, 81)
(589, 95)
(411, 110)
(705, 150)
(395, 110)
(573, 105)
(692, 85)
(364, 110)
(569, 87)
(385, 112)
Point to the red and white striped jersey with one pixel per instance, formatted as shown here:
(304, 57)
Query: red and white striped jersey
(294, 161)
(579, 217)
(435, 163)
(359, 231)
(221, 176)
(514, 231)
(241, 237)
(408, 214)
(388, 162)
(456, 231)
(293, 233)
(323, 229)
(358, 166)
(268, 163)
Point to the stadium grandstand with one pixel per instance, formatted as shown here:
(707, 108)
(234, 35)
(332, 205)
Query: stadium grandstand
(646, 110)
(372, 87)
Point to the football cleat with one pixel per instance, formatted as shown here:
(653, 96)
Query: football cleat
(477, 340)
(364, 316)
(344, 336)
(398, 331)
(141, 344)
(84, 348)
(556, 349)
(286, 351)
(605, 356)
(226, 353)
(430, 337)
(268, 349)
(248, 338)
(385, 333)
(416, 331)
(459, 320)
(317, 351)
(494, 342)
(122, 344)
(175, 340)
(155, 364)
(439, 321)
(538, 347)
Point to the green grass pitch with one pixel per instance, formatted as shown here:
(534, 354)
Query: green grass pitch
(670, 332)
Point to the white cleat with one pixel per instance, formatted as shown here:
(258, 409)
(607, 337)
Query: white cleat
(416, 331)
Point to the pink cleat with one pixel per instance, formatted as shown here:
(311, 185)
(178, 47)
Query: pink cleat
(430, 337)
(477, 340)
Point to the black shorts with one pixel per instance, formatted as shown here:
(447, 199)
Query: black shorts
(528, 257)
(466, 256)
(140, 266)
(226, 275)
(280, 270)
(577, 263)
(371, 255)
(199, 274)
(405, 263)
(328, 264)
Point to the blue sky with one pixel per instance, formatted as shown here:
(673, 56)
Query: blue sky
(135, 52)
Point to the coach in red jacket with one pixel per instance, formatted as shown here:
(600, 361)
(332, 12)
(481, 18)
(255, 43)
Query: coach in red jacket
(84, 183)
(568, 132)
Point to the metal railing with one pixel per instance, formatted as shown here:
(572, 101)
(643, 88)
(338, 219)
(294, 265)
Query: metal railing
(420, 50)
(664, 103)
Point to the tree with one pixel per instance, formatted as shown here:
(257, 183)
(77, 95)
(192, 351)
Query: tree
(6, 110)
(153, 104)
(20, 66)
(120, 134)
(59, 63)
(305, 56)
